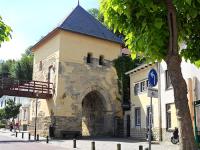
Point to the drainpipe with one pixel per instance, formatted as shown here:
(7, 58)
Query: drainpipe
(159, 102)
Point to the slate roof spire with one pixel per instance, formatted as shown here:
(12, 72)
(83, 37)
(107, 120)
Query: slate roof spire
(80, 21)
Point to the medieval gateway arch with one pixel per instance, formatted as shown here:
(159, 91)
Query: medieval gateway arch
(97, 113)
(77, 58)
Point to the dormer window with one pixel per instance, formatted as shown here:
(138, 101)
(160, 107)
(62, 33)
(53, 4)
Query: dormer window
(89, 58)
(101, 60)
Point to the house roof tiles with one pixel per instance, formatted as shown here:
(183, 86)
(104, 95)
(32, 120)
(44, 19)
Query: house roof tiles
(80, 21)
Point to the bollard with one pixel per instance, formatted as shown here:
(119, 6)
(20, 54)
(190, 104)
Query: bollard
(140, 147)
(47, 139)
(118, 146)
(16, 134)
(74, 141)
(93, 146)
(37, 137)
(22, 135)
(29, 136)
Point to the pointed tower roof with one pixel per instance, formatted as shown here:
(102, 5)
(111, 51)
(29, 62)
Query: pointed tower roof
(80, 21)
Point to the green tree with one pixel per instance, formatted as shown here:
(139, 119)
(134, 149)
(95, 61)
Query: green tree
(95, 13)
(23, 68)
(2, 114)
(6, 68)
(4, 31)
(11, 109)
(153, 28)
(123, 64)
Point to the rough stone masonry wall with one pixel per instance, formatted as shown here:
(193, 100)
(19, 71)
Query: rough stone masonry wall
(79, 80)
(43, 119)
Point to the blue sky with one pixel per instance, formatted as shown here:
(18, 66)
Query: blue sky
(32, 19)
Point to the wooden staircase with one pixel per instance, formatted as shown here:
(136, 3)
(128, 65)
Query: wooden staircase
(31, 89)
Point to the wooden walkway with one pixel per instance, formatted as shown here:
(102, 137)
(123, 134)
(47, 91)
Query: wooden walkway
(31, 89)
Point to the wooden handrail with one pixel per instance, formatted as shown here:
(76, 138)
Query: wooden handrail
(11, 84)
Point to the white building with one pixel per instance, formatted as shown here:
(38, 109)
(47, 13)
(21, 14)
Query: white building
(24, 116)
(164, 112)
(191, 75)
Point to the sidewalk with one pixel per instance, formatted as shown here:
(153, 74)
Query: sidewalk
(100, 144)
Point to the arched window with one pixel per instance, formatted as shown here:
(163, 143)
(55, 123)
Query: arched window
(89, 58)
(101, 60)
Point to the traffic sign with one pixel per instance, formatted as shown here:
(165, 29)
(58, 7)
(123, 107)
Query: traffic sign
(153, 78)
(152, 92)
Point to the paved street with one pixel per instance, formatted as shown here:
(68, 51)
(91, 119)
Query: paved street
(11, 143)
(8, 141)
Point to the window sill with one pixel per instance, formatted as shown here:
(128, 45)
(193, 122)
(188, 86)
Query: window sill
(169, 88)
(143, 92)
(170, 130)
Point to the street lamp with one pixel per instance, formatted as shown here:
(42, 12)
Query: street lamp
(36, 102)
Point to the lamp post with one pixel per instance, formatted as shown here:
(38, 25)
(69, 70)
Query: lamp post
(36, 102)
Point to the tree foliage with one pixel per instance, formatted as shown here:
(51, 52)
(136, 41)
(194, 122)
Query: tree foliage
(4, 31)
(21, 69)
(11, 109)
(2, 114)
(153, 28)
(123, 64)
(6, 68)
(144, 24)
(96, 14)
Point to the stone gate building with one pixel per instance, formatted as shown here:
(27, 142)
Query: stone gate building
(77, 58)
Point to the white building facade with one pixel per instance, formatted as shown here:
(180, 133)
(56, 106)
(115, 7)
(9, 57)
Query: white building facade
(191, 75)
(164, 111)
(23, 119)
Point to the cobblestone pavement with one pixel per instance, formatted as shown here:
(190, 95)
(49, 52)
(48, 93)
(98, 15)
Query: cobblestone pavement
(100, 144)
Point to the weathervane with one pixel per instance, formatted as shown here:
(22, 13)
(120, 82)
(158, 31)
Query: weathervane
(78, 2)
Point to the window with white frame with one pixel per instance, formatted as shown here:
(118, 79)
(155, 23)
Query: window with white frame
(168, 116)
(137, 116)
(147, 84)
(167, 80)
(171, 118)
(143, 86)
(140, 87)
(137, 88)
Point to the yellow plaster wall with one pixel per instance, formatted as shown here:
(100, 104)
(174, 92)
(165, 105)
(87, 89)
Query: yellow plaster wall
(50, 47)
(48, 53)
(74, 47)
(141, 100)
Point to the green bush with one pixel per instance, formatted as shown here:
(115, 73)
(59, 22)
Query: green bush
(2, 125)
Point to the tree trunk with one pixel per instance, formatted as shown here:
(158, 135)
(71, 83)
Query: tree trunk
(187, 141)
(173, 60)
